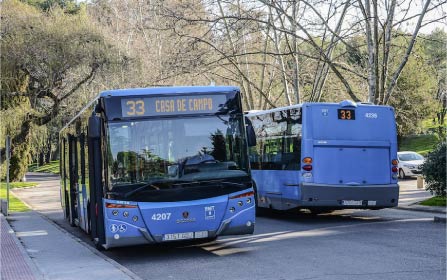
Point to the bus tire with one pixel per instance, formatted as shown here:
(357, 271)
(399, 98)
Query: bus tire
(260, 211)
(316, 211)
(99, 247)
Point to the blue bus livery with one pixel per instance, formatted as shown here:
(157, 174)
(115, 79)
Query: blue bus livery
(141, 166)
(325, 156)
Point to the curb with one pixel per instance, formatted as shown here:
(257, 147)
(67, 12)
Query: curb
(426, 209)
(31, 264)
(122, 268)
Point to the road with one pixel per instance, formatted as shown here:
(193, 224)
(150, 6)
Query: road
(348, 244)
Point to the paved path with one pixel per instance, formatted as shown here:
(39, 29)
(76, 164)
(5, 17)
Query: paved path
(57, 253)
(15, 264)
(410, 194)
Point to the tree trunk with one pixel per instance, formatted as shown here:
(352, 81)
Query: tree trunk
(20, 150)
(41, 159)
(48, 156)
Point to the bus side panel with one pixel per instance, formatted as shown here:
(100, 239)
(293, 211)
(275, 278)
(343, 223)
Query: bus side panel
(275, 185)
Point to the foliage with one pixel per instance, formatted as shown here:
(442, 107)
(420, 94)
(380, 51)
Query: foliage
(15, 205)
(434, 170)
(437, 56)
(18, 185)
(422, 144)
(57, 54)
(435, 201)
(52, 167)
(69, 6)
(45, 59)
(413, 97)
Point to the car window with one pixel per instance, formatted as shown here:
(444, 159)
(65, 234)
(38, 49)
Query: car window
(410, 157)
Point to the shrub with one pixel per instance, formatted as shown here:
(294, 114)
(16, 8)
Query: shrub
(434, 170)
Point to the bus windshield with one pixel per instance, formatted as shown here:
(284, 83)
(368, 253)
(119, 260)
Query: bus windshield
(163, 159)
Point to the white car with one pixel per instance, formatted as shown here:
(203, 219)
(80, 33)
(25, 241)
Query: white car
(410, 164)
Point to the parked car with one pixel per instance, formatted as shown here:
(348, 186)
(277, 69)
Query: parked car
(410, 164)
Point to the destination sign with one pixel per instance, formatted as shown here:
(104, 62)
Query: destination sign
(172, 105)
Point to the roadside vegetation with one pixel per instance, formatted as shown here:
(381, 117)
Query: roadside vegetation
(56, 55)
(435, 201)
(434, 170)
(422, 144)
(15, 204)
(52, 167)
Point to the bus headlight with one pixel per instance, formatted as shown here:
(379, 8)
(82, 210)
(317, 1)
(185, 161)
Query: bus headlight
(248, 200)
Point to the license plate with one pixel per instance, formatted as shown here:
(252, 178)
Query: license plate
(351, 202)
(178, 236)
(201, 234)
(185, 235)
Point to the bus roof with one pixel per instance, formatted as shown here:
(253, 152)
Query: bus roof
(261, 112)
(168, 90)
(344, 103)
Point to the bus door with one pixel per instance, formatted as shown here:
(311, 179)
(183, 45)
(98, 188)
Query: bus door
(64, 176)
(73, 187)
(82, 199)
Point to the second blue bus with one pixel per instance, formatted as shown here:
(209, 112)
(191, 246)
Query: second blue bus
(325, 156)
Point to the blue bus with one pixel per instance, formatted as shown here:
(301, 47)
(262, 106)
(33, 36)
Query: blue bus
(325, 156)
(153, 165)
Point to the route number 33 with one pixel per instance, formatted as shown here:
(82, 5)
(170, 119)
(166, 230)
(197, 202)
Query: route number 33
(135, 107)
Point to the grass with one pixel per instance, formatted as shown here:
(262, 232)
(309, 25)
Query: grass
(428, 124)
(15, 205)
(422, 144)
(435, 201)
(52, 167)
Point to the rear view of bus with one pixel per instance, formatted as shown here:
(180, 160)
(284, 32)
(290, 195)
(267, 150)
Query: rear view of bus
(349, 156)
(166, 164)
(325, 156)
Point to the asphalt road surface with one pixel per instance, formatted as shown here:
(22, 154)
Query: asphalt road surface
(348, 244)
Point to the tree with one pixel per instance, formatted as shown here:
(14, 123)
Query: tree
(434, 170)
(435, 49)
(45, 59)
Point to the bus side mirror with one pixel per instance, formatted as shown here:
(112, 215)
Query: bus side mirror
(94, 127)
(251, 136)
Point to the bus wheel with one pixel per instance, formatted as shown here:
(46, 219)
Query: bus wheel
(99, 246)
(401, 174)
(316, 211)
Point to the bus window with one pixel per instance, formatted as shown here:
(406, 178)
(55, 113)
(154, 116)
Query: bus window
(278, 137)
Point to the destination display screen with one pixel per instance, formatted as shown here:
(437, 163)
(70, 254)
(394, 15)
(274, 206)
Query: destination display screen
(172, 105)
(346, 114)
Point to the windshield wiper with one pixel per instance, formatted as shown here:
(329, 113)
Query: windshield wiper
(151, 184)
(224, 183)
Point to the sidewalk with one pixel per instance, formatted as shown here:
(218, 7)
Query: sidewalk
(59, 255)
(410, 196)
(15, 264)
(53, 252)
